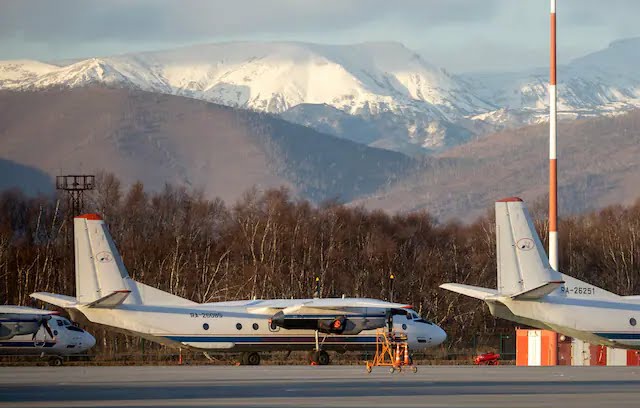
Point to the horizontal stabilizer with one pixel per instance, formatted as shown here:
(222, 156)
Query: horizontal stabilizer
(113, 299)
(56, 300)
(468, 290)
(537, 293)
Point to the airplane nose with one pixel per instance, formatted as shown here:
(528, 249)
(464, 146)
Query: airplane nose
(89, 341)
(439, 336)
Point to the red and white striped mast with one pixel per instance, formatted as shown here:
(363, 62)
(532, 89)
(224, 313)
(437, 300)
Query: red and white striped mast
(553, 169)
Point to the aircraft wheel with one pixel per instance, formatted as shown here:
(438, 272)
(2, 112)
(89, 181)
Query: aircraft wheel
(414, 369)
(55, 361)
(323, 358)
(369, 369)
(252, 359)
(392, 370)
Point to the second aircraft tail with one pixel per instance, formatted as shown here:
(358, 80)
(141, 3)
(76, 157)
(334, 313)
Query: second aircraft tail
(523, 266)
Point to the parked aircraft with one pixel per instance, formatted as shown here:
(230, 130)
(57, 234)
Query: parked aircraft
(29, 331)
(531, 293)
(105, 294)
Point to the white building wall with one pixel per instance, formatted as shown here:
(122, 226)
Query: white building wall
(580, 354)
(534, 354)
(616, 357)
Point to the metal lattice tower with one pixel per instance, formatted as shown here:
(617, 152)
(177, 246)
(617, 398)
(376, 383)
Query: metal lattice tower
(75, 186)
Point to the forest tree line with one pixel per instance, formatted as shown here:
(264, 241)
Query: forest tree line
(272, 245)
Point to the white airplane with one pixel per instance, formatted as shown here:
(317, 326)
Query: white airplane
(105, 294)
(530, 292)
(28, 331)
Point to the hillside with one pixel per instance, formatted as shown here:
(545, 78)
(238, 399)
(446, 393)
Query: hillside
(598, 166)
(412, 101)
(162, 139)
(379, 93)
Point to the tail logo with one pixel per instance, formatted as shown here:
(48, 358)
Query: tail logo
(104, 257)
(526, 244)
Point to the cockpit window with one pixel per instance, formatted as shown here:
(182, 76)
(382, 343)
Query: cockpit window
(60, 323)
(75, 329)
(409, 317)
(421, 320)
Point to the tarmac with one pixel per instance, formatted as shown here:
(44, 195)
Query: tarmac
(317, 386)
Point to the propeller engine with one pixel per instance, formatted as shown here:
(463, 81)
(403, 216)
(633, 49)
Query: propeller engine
(43, 322)
(330, 324)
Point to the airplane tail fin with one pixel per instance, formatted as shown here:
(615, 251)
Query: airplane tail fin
(102, 280)
(99, 267)
(524, 272)
(523, 267)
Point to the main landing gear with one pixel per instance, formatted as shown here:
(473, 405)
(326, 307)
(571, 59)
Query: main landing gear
(252, 358)
(319, 357)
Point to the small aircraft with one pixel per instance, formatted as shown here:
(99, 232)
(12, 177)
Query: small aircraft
(530, 292)
(29, 331)
(105, 294)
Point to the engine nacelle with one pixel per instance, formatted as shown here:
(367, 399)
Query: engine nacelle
(11, 329)
(331, 324)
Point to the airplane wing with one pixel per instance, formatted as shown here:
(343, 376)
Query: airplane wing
(20, 320)
(328, 305)
(330, 315)
(24, 310)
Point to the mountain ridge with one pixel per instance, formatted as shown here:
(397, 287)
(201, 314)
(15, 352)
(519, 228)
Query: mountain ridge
(158, 139)
(402, 101)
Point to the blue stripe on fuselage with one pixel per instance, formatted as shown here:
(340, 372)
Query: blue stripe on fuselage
(26, 344)
(619, 336)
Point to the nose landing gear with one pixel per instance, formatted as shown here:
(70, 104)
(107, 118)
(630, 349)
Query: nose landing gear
(56, 361)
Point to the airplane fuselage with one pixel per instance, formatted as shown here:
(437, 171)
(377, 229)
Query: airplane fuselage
(213, 327)
(611, 322)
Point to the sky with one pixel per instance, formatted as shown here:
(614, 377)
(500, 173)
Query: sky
(459, 35)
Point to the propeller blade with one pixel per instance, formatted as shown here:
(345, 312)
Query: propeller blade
(47, 328)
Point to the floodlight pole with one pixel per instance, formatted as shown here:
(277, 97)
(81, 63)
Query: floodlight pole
(74, 185)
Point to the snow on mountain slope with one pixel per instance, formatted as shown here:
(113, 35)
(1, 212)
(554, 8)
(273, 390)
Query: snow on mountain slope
(375, 81)
(16, 73)
(606, 82)
(381, 94)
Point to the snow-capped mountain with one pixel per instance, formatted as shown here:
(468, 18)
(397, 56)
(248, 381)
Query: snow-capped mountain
(380, 94)
(603, 83)
(409, 101)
